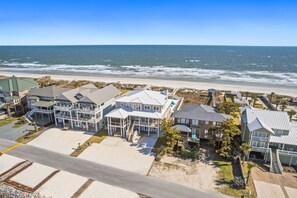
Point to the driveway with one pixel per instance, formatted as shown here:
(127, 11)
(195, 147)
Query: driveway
(9, 133)
(274, 185)
(118, 153)
(57, 140)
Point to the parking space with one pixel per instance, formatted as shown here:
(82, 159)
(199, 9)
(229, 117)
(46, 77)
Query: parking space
(58, 140)
(118, 153)
(265, 189)
(7, 162)
(62, 185)
(36, 172)
(106, 191)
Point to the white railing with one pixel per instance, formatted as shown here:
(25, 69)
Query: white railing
(43, 110)
(278, 161)
(285, 152)
(260, 149)
(65, 108)
(260, 138)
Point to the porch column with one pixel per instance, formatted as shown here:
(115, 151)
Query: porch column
(290, 161)
(158, 127)
(71, 119)
(121, 124)
(283, 147)
(139, 124)
(63, 122)
(96, 127)
(55, 118)
(148, 123)
(87, 126)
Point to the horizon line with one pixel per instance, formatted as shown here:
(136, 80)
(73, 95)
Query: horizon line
(57, 45)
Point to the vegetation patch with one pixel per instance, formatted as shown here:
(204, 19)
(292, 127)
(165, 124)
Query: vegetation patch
(226, 179)
(29, 136)
(96, 138)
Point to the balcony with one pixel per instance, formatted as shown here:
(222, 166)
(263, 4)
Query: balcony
(286, 152)
(265, 139)
(63, 108)
(43, 111)
(259, 149)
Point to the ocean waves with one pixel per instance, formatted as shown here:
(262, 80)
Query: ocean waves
(184, 73)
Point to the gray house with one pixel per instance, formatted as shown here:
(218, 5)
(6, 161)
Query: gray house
(197, 118)
(271, 135)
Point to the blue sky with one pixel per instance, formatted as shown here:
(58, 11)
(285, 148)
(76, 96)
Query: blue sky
(193, 22)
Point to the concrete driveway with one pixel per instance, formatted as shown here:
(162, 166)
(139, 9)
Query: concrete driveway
(57, 140)
(9, 133)
(118, 153)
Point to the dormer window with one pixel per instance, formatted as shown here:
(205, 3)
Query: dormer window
(78, 96)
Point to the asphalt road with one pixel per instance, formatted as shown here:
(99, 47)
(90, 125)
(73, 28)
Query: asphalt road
(135, 182)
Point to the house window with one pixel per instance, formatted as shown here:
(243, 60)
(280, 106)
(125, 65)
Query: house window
(206, 122)
(182, 121)
(195, 122)
(146, 107)
(254, 143)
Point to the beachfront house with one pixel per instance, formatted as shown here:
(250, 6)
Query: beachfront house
(40, 103)
(84, 107)
(140, 111)
(272, 137)
(14, 89)
(194, 120)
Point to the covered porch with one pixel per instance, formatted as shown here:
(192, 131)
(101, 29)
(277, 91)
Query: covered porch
(188, 134)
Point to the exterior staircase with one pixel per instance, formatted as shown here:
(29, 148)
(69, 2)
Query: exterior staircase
(275, 165)
(130, 131)
(29, 115)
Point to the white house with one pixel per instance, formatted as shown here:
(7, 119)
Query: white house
(141, 110)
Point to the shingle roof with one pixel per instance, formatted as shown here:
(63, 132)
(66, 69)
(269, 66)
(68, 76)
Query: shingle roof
(290, 139)
(144, 97)
(43, 104)
(200, 112)
(52, 91)
(273, 119)
(89, 94)
(17, 84)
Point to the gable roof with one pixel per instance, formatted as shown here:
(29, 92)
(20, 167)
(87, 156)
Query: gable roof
(290, 139)
(200, 112)
(258, 124)
(17, 84)
(273, 119)
(52, 91)
(147, 97)
(89, 94)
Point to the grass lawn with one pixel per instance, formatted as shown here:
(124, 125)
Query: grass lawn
(29, 136)
(96, 138)
(226, 179)
(7, 121)
(17, 125)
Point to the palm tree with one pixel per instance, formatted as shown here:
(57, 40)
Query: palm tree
(250, 166)
(271, 96)
(277, 101)
(291, 113)
(284, 104)
(245, 149)
(255, 101)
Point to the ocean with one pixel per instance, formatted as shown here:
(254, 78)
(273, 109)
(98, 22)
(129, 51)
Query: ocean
(274, 66)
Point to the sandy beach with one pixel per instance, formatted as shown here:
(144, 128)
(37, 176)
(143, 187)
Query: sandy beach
(163, 82)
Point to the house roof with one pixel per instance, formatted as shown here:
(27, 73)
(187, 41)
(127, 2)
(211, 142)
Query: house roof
(258, 124)
(200, 112)
(182, 128)
(17, 84)
(144, 97)
(290, 139)
(272, 119)
(45, 104)
(124, 112)
(52, 91)
(89, 94)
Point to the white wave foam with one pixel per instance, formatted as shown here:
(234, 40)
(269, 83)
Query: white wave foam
(265, 77)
